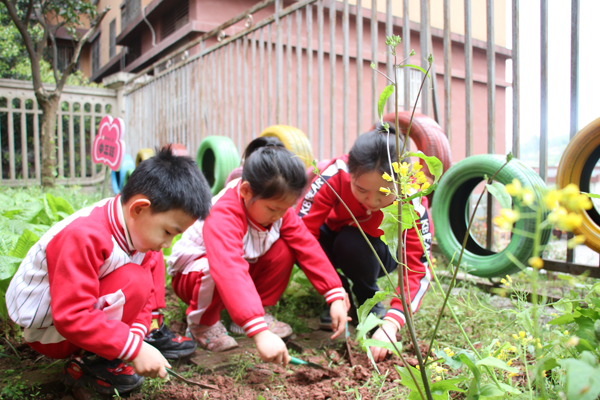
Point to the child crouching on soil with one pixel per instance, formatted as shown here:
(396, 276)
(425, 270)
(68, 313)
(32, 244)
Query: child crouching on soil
(357, 178)
(87, 289)
(241, 256)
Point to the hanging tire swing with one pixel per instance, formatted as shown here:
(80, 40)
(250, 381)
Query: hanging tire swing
(293, 139)
(143, 155)
(450, 214)
(427, 135)
(118, 178)
(217, 156)
(577, 166)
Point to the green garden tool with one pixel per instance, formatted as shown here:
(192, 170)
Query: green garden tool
(297, 361)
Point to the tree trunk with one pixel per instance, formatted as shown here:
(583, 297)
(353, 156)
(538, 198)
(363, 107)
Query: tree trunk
(49, 105)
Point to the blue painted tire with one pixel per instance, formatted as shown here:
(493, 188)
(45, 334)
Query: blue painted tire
(117, 178)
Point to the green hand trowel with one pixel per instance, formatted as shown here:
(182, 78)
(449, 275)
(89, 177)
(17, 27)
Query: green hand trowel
(297, 361)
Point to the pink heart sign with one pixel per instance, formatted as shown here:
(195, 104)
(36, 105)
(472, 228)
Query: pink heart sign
(108, 147)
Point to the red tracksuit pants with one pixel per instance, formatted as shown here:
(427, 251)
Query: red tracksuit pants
(139, 286)
(270, 275)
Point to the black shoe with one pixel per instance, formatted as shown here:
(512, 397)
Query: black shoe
(171, 345)
(325, 320)
(105, 376)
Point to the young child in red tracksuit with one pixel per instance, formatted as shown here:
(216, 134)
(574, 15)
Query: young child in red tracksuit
(87, 288)
(241, 256)
(357, 178)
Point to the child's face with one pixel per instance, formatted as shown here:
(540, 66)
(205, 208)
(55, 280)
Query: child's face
(150, 231)
(366, 190)
(265, 211)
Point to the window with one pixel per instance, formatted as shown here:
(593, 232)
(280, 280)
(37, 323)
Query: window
(129, 10)
(175, 18)
(65, 54)
(112, 40)
(416, 77)
(134, 50)
(96, 54)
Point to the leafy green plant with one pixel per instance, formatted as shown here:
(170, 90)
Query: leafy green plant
(23, 219)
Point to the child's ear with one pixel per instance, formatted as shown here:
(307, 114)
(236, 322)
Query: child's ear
(246, 191)
(138, 206)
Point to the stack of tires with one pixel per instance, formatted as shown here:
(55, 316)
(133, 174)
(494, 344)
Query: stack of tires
(577, 166)
(451, 215)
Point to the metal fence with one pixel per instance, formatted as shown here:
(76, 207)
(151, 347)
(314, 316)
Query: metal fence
(279, 70)
(77, 122)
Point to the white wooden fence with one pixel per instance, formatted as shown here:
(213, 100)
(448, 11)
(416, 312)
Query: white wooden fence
(80, 111)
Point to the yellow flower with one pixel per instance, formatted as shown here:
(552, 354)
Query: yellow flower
(522, 334)
(552, 198)
(503, 281)
(573, 341)
(569, 222)
(509, 362)
(536, 262)
(528, 197)
(512, 374)
(584, 202)
(514, 188)
(539, 345)
(415, 186)
(395, 166)
(557, 214)
(570, 191)
(575, 241)
(437, 378)
(507, 218)
(385, 190)
(509, 278)
(417, 166)
(566, 332)
(395, 202)
(515, 336)
(421, 178)
(386, 177)
(425, 186)
(403, 169)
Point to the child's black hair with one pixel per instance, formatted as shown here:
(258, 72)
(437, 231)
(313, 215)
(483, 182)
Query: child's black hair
(272, 170)
(170, 182)
(370, 151)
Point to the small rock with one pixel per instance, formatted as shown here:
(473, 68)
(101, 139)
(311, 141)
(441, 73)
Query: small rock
(83, 394)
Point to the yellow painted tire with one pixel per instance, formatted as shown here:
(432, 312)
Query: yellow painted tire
(293, 139)
(576, 166)
(143, 155)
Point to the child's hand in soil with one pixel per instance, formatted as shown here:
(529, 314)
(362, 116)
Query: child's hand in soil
(150, 362)
(379, 353)
(271, 348)
(339, 317)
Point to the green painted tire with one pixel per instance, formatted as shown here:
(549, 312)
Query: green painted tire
(127, 175)
(217, 156)
(449, 213)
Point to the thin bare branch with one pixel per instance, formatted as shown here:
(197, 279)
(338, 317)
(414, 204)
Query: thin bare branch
(29, 45)
(82, 41)
(41, 45)
(28, 13)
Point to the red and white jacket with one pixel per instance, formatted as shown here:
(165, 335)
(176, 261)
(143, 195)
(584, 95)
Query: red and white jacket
(54, 294)
(321, 206)
(228, 242)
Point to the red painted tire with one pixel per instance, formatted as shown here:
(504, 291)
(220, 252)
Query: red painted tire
(427, 135)
(179, 149)
(236, 173)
